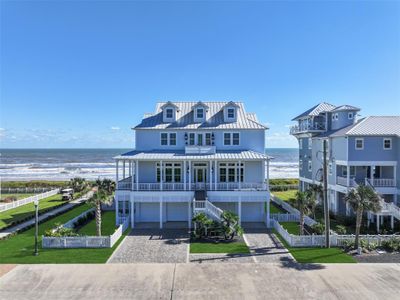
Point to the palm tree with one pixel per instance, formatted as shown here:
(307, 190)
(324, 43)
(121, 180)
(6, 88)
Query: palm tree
(312, 194)
(78, 184)
(99, 198)
(106, 185)
(363, 198)
(304, 202)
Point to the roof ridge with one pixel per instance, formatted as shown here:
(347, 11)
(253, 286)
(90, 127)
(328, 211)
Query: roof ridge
(358, 124)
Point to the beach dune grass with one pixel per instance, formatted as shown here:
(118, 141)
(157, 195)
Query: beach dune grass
(28, 210)
(19, 248)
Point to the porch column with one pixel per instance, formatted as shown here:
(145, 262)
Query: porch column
(267, 174)
(116, 211)
(161, 218)
(137, 174)
(123, 169)
(132, 211)
(116, 171)
(371, 174)
(161, 175)
(190, 175)
(267, 212)
(348, 175)
(238, 168)
(189, 214)
(240, 210)
(129, 168)
(132, 172)
(184, 175)
(215, 174)
(210, 171)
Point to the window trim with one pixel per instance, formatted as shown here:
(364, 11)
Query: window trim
(309, 143)
(300, 164)
(197, 111)
(355, 143)
(227, 113)
(169, 138)
(175, 165)
(300, 143)
(391, 142)
(230, 138)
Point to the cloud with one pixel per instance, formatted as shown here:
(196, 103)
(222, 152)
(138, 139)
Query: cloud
(288, 126)
(115, 128)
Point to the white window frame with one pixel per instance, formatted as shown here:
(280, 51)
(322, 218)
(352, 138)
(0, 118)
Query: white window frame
(350, 115)
(390, 141)
(166, 113)
(197, 111)
(309, 143)
(355, 143)
(175, 165)
(227, 113)
(230, 138)
(240, 176)
(168, 138)
(161, 139)
(330, 168)
(309, 166)
(301, 164)
(300, 143)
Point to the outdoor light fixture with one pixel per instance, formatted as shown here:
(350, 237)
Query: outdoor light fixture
(186, 136)
(36, 203)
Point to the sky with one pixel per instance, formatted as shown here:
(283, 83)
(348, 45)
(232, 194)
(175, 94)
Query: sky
(82, 73)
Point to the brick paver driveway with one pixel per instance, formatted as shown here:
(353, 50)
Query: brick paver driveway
(153, 246)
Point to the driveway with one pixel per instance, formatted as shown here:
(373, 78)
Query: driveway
(153, 246)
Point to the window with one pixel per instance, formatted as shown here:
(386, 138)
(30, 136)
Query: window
(387, 144)
(200, 139)
(231, 113)
(336, 116)
(235, 138)
(330, 168)
(352, 171)
(300, 143)
(333, 117)
(301, 164)
(231, 174)
(227, 139)
(222, 174)
(208, 139)
(310, 165)
(172, 139)
(191, 139)
(310, 143)
(200, 113)
(359, 144)
(228, 171)
(169, 113)
(231, 139)
(164, 139)
(171, 172)
(350, 115)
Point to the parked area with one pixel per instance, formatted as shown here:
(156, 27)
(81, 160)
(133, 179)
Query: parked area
(212, 281)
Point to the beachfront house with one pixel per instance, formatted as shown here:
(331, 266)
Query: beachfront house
(191, 157)
(360, 151)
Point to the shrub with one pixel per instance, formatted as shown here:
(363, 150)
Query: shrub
(9, 199)
(349, 245)
(391, 245)
(60, 231)
(318, 228)
(340, 229)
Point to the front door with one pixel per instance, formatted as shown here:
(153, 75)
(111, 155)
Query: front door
(200, 175)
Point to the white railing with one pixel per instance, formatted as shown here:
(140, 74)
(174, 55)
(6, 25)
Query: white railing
(199, 205)
(200, 149)
(124, 185)
(286, 206)
(303, 127)
(208, 208)
(343, 181)
(319, 240)
(285, 217)
(383, 182)
(14, 204)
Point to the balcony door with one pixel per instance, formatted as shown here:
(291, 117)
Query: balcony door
(200, 175)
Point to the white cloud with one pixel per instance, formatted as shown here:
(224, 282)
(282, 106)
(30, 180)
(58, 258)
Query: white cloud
(115, 128)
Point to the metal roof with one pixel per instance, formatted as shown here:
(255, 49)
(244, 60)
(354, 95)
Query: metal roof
(316, 110)
(215, 117)
(346, 107)
(377, 125)
(180, 155)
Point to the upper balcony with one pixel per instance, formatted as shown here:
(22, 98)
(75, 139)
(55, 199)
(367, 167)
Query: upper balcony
(200, 149)
(304, 127)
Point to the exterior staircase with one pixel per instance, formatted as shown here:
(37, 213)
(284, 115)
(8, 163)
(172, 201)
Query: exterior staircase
(208, 208)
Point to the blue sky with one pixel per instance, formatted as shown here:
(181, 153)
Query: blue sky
(81, 74)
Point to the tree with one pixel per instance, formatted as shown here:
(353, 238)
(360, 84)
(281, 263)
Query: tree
(230, 225)
(78, 184)
(304, 202)
(363, 198)
(317, 193)
(202, 222)
(99, 198)
(106, 185)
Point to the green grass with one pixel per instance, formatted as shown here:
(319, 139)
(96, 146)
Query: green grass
(107, 225)
(27, 210)
(230, 248)
(291, 227)
(275, 209)
(19, 248)
(317, 255)
(286, 195)
(18, 196)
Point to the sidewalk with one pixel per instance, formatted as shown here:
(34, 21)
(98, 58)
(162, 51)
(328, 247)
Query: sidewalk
(6, 232)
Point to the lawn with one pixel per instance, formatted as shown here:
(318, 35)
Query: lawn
(222, 247)
(19, 248)
(18, 196)
(317, 255)
(275, 209)
(286, 195)
(107, 225)
(291, 227)
(27, 210)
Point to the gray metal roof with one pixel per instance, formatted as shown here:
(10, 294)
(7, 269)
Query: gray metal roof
(180, 155)
(316, 110)
(346, 107)
(377, 125)
(215, 118)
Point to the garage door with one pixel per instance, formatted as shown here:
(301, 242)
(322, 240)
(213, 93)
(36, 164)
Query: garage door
(148, 212)
(253, 212)
(177, 211)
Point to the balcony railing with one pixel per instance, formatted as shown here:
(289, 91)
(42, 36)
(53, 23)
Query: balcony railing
(180, 186)
(316, 126)
(343, 181)
(200, 149)
(383, 182)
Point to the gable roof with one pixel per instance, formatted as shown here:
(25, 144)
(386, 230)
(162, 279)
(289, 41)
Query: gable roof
(316, 110)
(346, 107)
(184, 119)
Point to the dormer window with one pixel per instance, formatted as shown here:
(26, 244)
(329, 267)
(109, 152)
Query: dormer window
(169, 113)
(200, 113)
(231, 113)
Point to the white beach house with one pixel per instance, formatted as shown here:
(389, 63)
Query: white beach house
(190, 156)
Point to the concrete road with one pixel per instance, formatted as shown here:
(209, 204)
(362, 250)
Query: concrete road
(285, 280)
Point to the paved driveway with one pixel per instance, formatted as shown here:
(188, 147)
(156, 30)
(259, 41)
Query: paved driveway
(153, 246)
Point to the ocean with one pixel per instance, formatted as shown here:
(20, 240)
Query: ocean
(63, 164)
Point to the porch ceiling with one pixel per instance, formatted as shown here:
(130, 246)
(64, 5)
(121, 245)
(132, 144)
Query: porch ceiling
(180, 155)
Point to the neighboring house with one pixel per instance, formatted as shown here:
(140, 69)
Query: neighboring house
(360, 151)
(194, 150)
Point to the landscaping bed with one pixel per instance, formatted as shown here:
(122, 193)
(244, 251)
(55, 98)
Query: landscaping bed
(217, 245)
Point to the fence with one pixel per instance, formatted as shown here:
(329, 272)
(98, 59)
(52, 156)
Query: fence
(286, 206)
(14, 204)
(85, 241)
(284, 187)
(319, 240)
(25, 190)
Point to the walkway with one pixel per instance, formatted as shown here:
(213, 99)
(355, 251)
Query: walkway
(6, 232)
(194, 281)
(153, 246)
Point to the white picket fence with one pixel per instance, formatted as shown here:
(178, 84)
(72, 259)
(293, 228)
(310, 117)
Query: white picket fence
(319, 240)
(85, 241)
(307, 220)
(14, 204)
